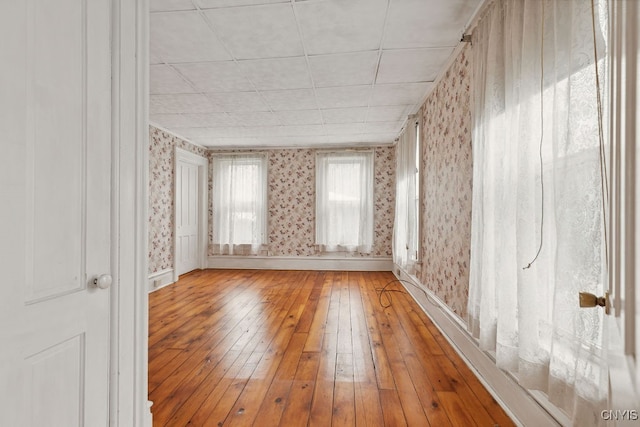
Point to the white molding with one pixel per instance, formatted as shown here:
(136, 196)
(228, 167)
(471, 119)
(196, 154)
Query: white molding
(299, 263)
(623, 325)
(160, 279)
(181, 155)
(516, 401)
(128, 397)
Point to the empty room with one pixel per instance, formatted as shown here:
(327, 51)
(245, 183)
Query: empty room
(320, 213)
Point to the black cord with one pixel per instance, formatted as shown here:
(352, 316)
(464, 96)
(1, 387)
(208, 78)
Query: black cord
(540, 146)
(388, 297)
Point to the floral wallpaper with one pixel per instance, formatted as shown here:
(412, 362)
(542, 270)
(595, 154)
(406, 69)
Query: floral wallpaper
(161, 155)
(292, 195)
(385, 200)
(292, 202)
(446, 190)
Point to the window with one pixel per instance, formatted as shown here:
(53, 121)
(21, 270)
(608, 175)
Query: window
(239, 203)
(406, 228)
(344, 201)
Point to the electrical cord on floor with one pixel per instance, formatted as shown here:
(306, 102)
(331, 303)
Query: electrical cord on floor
(384, 290)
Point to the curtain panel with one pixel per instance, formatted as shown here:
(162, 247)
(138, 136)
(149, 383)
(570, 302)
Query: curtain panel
(344, 201)
(537, 222)
(239, 203)
(405, 235)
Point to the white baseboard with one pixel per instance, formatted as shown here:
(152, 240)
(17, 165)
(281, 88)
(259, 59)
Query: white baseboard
(523, 409)
(160, 279)
(300, 263)
(148, 419)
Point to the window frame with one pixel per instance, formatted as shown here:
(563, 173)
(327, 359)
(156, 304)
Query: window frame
(364, 245)
(251, 247)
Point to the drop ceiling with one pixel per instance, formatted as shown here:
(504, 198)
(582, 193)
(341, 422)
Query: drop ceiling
(292, 73)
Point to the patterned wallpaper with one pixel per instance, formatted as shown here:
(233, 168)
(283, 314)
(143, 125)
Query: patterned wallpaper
(446, 191)
(161, 153)
(385, 200)
(292, 195)
(291, 199)
(292, 202)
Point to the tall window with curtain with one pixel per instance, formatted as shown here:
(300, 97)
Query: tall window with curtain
(406, 229)
(344, 201)
(239, 203)
(539, 193)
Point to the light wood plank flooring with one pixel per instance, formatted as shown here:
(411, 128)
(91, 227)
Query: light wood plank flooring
(298, 348)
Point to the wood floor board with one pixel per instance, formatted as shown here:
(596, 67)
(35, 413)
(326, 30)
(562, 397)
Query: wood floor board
(304, 348)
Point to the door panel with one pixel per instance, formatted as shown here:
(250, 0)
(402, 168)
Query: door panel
(187, 217)
(55, 234)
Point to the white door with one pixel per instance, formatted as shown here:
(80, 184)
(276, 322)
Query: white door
(187, 217)
(55, 213)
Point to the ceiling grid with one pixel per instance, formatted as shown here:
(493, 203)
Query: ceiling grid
(294, 73)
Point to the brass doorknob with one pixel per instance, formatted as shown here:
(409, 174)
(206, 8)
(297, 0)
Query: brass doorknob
(590, 300)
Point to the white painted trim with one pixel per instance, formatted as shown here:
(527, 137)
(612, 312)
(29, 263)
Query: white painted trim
(160, 279)
(523, 409)
(181, 155)
(623, 325)
(172, 132)
(299, 263)
(128, 397)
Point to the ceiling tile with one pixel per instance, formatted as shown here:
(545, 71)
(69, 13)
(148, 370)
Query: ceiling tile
(224, 76)
(206, 4)
(294, 99)
(383, 127)
(281, 73)
(154, 59)
(181, 103)
(362, 139)
(388, 114)
(300, 117)
(238, 101)
(266, 31)
(399, 94)
(347, 96)
(211, 132)
(184, 37)
(341, 26)
(169, 120)
(269, 131)
(230, 142)
(345, 115)
(344, 128)
(213, 120)
(193, 120)
(344, 69)
(307, 130)
(258, 118)
(427, 23)
(412, 65)
(164, 79)
(166, 5)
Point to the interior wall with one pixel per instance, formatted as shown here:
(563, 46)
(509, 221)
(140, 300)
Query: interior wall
(292, 195)
(161, 170)
(291, 183)
(446, 185)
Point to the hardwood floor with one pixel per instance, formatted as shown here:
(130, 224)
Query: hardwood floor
(298, 348)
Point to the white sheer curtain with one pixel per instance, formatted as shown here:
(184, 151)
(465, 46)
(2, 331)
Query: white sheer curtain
(405, 232)
(239, 203)
(536, 131)
(344, 201)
